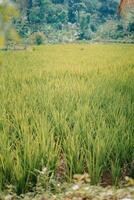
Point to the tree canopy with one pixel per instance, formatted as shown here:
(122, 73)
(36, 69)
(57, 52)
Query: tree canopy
(69, 20)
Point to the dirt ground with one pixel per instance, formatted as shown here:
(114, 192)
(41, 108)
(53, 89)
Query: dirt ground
(78, 192)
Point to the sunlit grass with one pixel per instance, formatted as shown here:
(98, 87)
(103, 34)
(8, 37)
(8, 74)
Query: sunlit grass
(74, 100)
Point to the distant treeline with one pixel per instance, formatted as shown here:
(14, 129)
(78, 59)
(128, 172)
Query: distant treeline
(69, 20)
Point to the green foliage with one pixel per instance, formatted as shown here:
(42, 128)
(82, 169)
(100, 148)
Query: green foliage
(89, 18)
(122, 29)
(37, 38)
(7, 31)
(130, 22)
(85, 31)
(35, 15)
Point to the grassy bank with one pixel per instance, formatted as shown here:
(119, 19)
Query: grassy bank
(66, 109)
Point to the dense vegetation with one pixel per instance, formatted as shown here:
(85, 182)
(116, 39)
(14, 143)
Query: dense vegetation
(74, 19)
(64, 110)
(43, 21)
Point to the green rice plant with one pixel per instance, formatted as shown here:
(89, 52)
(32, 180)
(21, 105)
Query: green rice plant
(72, 100)
(74, 154)
(115, 171)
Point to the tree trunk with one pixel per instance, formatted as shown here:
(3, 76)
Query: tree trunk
(125, 5)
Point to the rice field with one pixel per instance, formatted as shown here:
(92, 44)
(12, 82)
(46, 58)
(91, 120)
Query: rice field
(66, 110)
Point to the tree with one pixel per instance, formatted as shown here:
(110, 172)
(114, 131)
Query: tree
(7, 12)
(125, 6)
(130, 22)
(85, 30)
(57, 15)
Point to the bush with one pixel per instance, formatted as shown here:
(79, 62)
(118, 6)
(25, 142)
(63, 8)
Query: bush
(37, 38)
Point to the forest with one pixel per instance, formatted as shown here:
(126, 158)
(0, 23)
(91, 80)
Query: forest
(54, 21)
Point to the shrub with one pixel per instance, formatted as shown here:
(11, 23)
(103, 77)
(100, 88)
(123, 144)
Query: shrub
(37, 38)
